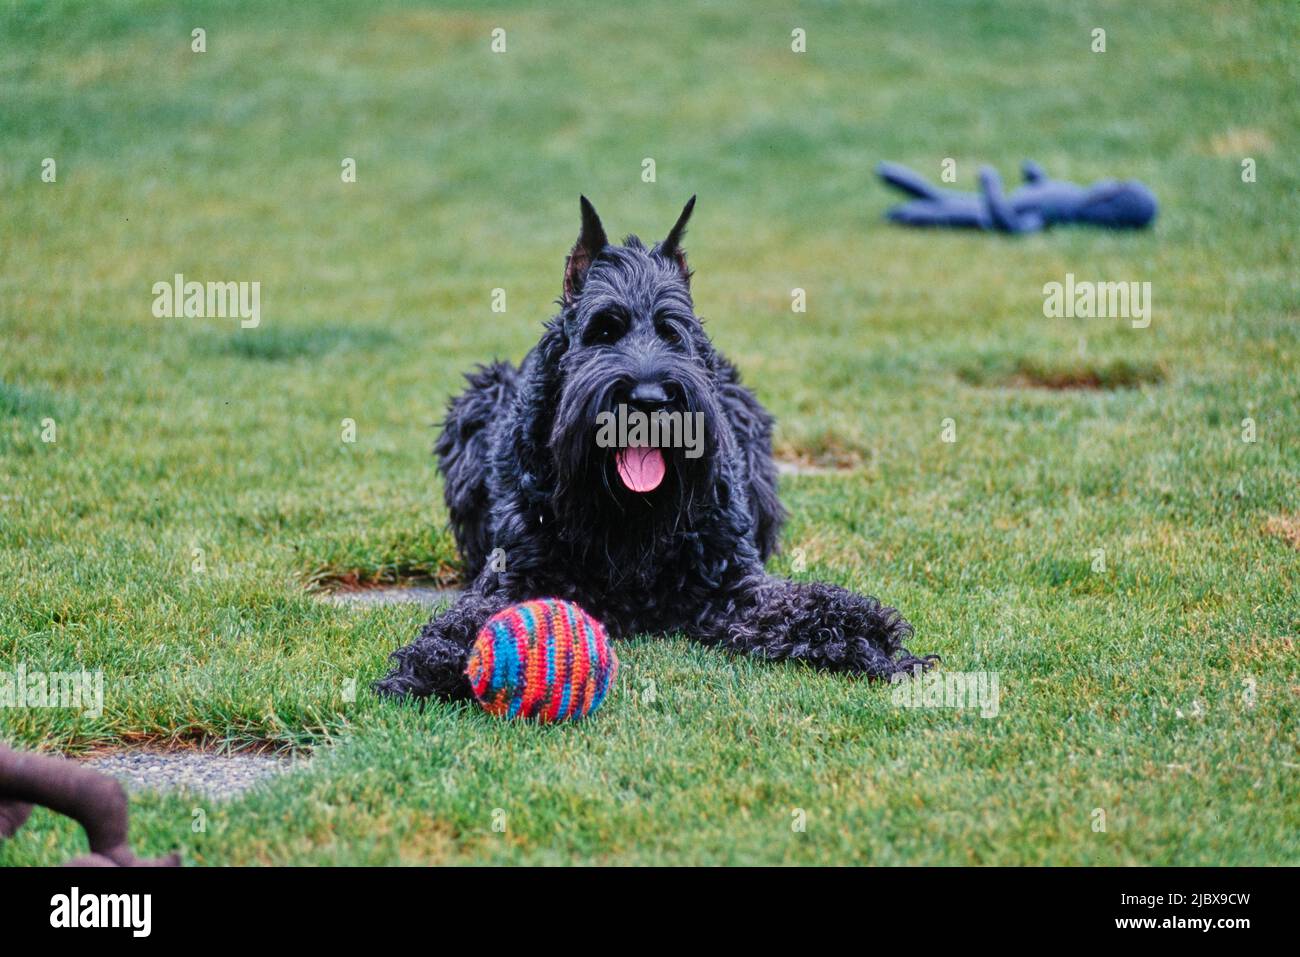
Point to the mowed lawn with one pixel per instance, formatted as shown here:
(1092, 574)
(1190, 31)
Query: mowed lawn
(1120, 554)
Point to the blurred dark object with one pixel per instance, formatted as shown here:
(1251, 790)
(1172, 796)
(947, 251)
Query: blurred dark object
(1039, 203)
(93, 800)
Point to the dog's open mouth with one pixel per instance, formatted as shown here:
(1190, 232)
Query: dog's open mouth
(640, 467)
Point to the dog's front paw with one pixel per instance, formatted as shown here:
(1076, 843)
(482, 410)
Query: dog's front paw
(867, 659)
(428, 667)
(876, 636)
(910, 665)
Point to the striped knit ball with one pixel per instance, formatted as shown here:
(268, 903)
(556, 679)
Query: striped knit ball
(545, 659)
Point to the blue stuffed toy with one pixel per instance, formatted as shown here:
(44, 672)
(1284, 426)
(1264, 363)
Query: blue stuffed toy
(1039, 203)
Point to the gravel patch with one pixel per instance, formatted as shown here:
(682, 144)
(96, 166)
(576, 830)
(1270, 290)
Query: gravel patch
(429, 596)
(203, 773)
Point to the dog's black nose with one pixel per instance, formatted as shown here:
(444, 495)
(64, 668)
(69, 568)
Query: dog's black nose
(649, 395)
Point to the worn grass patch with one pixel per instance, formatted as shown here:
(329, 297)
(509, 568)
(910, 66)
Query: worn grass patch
(821, 451)
(383, 577)
(1285, 527)
(1065, 375)
(415, 556)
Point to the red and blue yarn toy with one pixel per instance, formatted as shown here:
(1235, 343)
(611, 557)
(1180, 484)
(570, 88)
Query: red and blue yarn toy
(545, 659)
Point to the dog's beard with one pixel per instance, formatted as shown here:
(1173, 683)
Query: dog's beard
(630, 498)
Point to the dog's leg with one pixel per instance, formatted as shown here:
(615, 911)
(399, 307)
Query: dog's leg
(434, 663)
(826, 626)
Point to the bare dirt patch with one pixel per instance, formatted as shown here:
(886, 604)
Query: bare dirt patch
(1066, 376)
(819, 455)
(1285, 527)
(1241, 142)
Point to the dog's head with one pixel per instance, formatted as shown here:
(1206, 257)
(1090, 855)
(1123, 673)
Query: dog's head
(637, 418)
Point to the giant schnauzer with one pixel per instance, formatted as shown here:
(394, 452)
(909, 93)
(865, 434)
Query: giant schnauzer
(648, 537)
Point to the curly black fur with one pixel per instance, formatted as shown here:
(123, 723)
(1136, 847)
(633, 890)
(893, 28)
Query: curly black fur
(538, 508)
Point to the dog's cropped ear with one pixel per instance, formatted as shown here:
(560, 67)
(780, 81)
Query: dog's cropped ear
(672, 246)
(591, 240)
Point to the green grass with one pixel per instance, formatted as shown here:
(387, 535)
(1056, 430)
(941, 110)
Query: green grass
(182, 434)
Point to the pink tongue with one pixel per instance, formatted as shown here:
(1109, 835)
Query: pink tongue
(641, 469)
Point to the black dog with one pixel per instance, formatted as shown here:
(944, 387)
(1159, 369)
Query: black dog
(649, 540)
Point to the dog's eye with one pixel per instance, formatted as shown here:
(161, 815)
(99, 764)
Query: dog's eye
(668, 331)
(604, 329)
